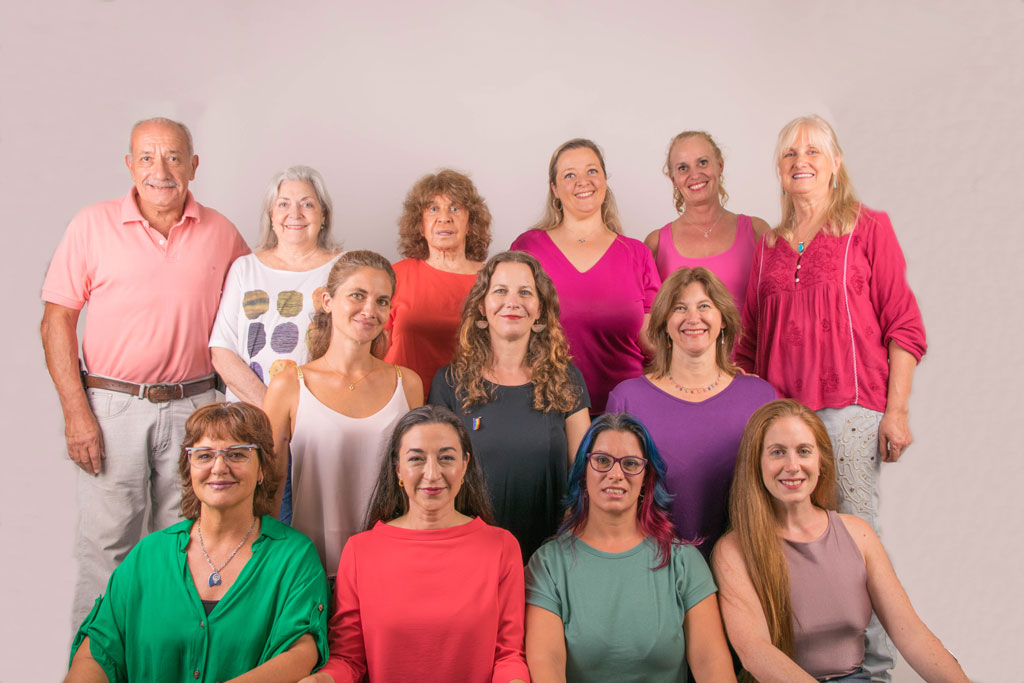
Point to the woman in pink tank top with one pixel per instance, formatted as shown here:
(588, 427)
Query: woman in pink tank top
(705, 233)
(798, 580)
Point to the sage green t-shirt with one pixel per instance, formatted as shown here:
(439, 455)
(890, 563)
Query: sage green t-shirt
(623, 620)
(150, 625)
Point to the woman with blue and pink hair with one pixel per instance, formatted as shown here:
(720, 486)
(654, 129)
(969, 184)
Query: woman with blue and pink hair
(616, 595)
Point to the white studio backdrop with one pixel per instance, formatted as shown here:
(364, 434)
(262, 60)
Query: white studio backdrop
(925, 96)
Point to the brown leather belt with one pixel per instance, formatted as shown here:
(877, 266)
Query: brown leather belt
(156, 393)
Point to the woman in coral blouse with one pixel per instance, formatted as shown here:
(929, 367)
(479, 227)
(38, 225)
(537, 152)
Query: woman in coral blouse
(430, 591)
(606, 281)
(444, 233)
(830, 320)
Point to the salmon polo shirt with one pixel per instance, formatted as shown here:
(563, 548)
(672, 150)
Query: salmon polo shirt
(151, 300)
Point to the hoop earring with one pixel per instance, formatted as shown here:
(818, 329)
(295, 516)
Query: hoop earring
(556, 203)
(538, 327)
(401, 484)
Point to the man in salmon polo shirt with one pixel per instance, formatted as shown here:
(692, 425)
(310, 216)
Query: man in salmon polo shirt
(150, 266)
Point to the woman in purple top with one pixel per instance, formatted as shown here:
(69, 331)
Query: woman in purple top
(797, 580)
(606, 281)
(705, 233)
(693, 400)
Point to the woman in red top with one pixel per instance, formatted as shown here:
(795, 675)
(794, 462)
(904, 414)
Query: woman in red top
(430, 591)
(830, 320)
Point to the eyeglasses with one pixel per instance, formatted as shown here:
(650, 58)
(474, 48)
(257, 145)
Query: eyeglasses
(233, 455)
(602, 462)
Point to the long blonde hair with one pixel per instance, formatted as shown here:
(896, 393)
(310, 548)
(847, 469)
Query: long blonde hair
(677, 197)
(547, 354)
(553, 212)
(752, 515)
(843, 206)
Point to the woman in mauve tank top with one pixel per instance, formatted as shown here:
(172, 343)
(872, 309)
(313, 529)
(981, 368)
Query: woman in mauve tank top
(798, 580)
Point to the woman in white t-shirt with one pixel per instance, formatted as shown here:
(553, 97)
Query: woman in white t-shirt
(265, 312)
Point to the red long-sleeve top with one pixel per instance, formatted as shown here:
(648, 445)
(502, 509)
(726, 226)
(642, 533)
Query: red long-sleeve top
(817, 326)
(429, 605)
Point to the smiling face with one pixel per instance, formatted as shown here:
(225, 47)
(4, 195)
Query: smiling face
(296, 215)
(161, 167)
(790, 461)
(360, 304)
(445, 225)
(580, 183)
(511, 305)
(222, 486)
(806, 166)
(695, 170)
(431, 467)
(695, 322)
(614, 491)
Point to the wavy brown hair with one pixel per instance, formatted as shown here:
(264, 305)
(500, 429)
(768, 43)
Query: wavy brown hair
(347, 263)
(843, 205)
(677, 196)
(547, 354)
(459, 189)
(553, 213)
(389, 500)
(239, 422)
(661, 311)
(752, 515)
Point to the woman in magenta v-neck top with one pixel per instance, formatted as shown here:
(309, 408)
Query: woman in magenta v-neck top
(605, 303)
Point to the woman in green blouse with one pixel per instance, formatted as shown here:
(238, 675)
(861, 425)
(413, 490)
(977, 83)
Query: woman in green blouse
(229, 593)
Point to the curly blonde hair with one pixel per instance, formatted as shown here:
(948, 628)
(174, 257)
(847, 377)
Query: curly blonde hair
(547, 354)
(459, 189)
(843, 205)
(677, 197)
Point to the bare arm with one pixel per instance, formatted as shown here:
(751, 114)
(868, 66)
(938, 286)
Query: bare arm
(706, 650)
(85, 669)
(280, 403)
(291, 665)
(545, 645)
(894, 435)
(918, 645)
(645, 340)
(576, 426)
(745, 621)
(239, 377)
(760, 228)
(60, 345)
(413, 388)
(652, 241)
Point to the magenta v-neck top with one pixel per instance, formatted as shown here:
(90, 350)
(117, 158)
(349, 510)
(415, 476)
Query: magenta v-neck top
(603, 308)
(732, 266)
(817, 325)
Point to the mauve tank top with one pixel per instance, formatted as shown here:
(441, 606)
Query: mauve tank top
(829, 596)
(732, 266)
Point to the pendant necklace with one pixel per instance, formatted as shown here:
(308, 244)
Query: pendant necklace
(698, 390)
(710, 227)
(215, 574)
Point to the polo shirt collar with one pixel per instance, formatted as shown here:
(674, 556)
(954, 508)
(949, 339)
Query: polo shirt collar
(130, 208)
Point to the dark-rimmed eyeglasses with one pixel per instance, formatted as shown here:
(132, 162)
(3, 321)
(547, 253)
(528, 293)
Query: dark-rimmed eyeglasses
(233, 455)
(631, 465)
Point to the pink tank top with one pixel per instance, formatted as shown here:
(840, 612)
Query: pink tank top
(732, 266)
(829, 596)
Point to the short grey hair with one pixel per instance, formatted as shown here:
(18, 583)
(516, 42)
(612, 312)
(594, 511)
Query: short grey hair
(267, 239)
(166, 122)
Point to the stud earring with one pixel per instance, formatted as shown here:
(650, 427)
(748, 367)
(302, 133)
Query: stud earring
(401, 484)
(783, 192)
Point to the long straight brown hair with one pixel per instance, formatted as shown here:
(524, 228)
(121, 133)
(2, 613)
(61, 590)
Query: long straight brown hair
(752, 515)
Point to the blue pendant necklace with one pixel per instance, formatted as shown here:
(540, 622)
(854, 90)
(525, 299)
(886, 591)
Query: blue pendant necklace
(215, 579)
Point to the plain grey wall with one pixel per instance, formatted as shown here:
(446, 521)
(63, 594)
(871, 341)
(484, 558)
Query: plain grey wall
(925, 96)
